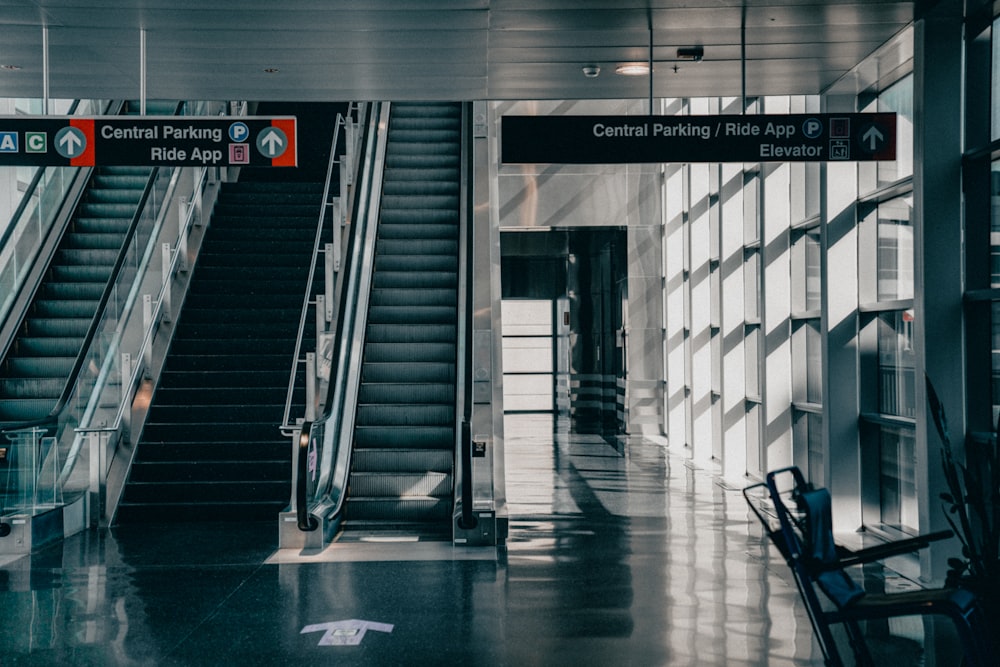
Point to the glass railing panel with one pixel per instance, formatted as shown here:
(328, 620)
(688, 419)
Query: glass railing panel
(21, 238)
(28, 473)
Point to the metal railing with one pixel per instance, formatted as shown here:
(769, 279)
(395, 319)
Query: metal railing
(330, 438)
(340, 213)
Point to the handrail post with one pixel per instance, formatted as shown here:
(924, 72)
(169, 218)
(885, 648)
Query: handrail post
(331, 252)
(96, 499)
(167, 310)
(310, 386)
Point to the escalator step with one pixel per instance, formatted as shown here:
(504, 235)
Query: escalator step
(49, 388)
(65, 308)
(410, 437)
(414, 314)
(92, 291)
(406, 392)
(29, 346)
(392, 509)
(80, 273)
(100, 210)
(83, 256)
(415, 298)
(448, 247)
(419, 216)
(442, 353)
(415, 279)
(405, 415)
(401, 485)
(58, 327)
(402, 460)
(411, 333)
(130, 197)
(415, 371)
(25, 409)
(39, 367)
(88, 241)
(415, 263)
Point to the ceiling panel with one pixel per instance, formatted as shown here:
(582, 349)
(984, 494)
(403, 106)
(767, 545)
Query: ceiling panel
(447, 49)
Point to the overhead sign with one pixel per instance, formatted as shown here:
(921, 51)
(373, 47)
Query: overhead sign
(831, 137)
(153, 141)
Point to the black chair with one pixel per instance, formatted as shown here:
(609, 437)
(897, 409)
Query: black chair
(801, 528)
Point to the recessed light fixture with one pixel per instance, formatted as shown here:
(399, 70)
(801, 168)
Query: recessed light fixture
(632, 69)
(10, 68)
(271, 70)
(591, 71)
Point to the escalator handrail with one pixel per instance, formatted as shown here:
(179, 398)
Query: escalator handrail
(335, 456)
(109, 288)
(467, 520)
(308, 298)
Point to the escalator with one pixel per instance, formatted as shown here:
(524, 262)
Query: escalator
(210, 448)
(40, 359)
(401, 476)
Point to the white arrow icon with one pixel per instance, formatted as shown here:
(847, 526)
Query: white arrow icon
(70, 142)
(345, 633)
(873, 137)
(272, 143)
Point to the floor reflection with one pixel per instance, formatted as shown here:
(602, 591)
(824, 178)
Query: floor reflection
(619, 553)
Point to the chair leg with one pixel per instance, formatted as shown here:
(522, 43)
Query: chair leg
(859, 647)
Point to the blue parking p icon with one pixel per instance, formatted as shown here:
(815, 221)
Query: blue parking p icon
(812, 128)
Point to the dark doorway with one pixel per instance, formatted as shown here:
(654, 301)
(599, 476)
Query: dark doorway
(564, 299)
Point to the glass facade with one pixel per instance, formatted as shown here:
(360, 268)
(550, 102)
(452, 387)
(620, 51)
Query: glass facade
(897, 487)
(895, 250)
(896, 388)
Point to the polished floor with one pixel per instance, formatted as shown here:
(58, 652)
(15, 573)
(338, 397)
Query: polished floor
(619, 554)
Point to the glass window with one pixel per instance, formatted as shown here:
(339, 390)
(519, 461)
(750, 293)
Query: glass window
(897, 467)
(751, 347)
(995, 370)
(995, 223)
(995, 133)
(895, 250)
(806, 279)
(898, 98)
(751, 283)
(896, 395)
(814, 424)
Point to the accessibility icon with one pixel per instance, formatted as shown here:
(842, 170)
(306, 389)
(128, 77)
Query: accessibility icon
(70, 142)
(271, 142)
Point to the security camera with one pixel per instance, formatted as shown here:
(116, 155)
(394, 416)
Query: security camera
(591, 71)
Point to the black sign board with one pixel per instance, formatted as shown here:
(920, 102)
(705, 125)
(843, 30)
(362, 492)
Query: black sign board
(152, 141)
(830, 137)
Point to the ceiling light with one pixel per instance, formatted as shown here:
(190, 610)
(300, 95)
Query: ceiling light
(10, 68)
(632, 69)
(695, 53)
(591, 71)
(271, 70)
